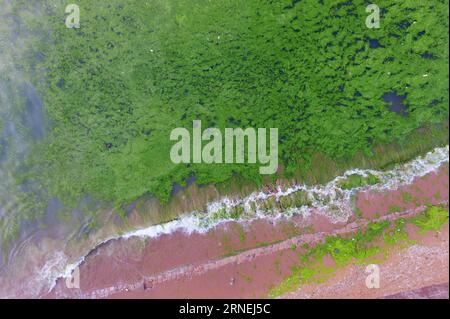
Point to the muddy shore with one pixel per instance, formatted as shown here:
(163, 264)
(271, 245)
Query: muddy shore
(244, 260)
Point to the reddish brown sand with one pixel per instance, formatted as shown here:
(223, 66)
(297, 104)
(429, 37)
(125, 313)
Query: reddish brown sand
(424, 264)
(429, 189)
(245, 261)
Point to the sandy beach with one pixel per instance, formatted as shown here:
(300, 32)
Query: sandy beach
(244, 260)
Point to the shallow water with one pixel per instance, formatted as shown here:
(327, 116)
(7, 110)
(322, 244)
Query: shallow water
(34, 119)
(22, 123)
(176, 188)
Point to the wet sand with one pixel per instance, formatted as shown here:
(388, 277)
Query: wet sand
(245, 260)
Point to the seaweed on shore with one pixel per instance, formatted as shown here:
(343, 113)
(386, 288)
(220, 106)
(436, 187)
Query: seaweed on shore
(378, 237)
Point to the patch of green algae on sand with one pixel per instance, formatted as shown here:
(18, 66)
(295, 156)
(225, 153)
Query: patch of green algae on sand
(432, 219)
(361, 248)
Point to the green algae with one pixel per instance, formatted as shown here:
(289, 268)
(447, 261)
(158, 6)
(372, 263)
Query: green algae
(394, 209)
(223, 213)
(433, 219)
(360, 248)
(241, 233)
(407, 197)
(115, 88)
(397, 234)
(356, 180)
(358, 212)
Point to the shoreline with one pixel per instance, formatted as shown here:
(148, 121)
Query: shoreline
(56, 264)
(132, 290)
(273, 229)
(190, 223)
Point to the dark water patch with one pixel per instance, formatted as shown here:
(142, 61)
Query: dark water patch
(178, 188)
(374, 44)
(428, 55)
(435, 102)
(60, 83)
(405, 24)
(129, 208)
(361, 49)
(343, 4)
(3, 149)
(292, 5)
(34, 114)
(393, 35)
(396, 101)
(419, 35)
